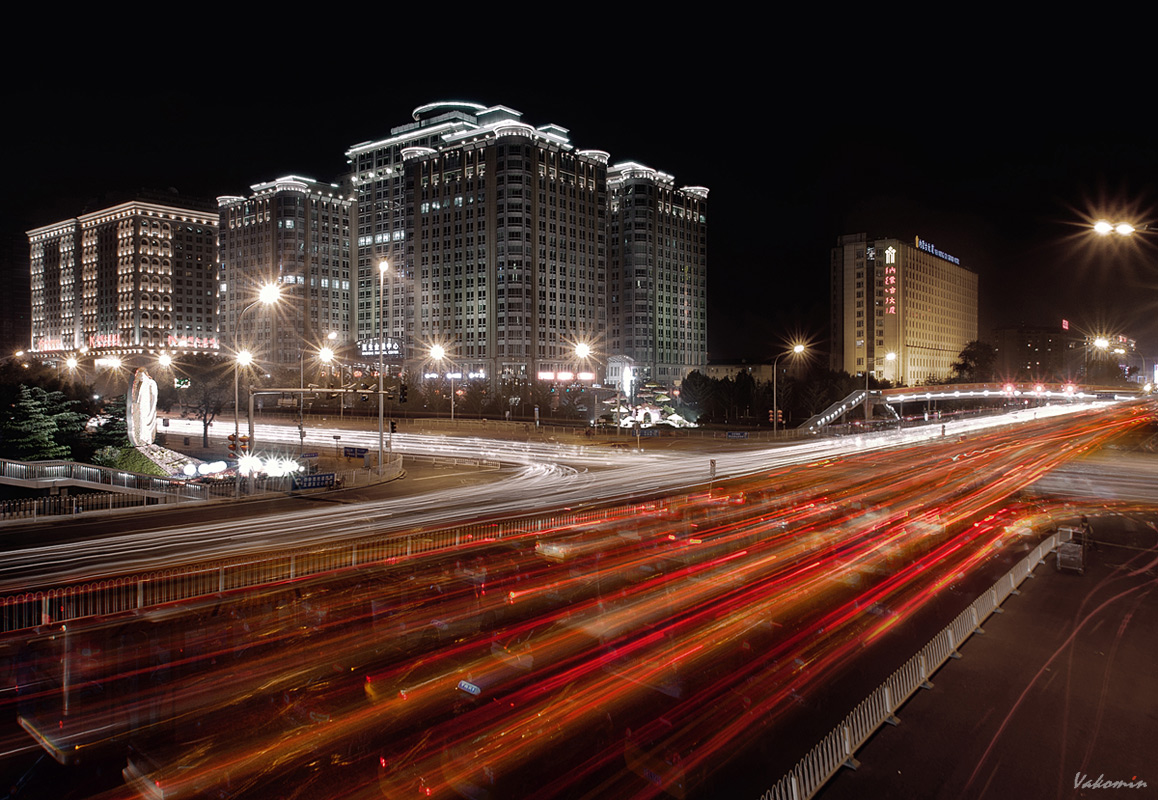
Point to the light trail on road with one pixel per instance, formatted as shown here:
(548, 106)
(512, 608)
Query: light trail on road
(690, 626)
(553, 476)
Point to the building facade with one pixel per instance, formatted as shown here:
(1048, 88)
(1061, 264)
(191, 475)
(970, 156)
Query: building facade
(494, 232)
(296, 233)
(134, 278)
(911, 300)
(384, 223)
(497, 235)
(657, 302)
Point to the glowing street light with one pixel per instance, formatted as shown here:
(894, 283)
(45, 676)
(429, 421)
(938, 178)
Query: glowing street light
(796, 351)
(1105, 228)
(383, 266)
(438, 353)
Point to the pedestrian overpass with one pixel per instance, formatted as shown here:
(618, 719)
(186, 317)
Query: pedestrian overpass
(891, 401)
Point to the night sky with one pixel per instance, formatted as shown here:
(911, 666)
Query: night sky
(1003, 166)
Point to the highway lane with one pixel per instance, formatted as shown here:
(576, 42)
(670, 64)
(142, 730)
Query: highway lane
(552, 476)
(818, 543)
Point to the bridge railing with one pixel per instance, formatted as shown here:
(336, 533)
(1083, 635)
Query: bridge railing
(49, 472)
(839, 747)
(145, 590)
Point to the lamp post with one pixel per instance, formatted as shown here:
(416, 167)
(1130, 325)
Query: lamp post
(267, 295)
(438, 353)
(582, 353)
(873, 363)
(383, 265)
(795, 351)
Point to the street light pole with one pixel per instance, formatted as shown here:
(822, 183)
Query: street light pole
(438, 353)
(383, 265)
(268, 295)
(797, 350)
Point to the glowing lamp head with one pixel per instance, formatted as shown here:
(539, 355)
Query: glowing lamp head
(798, 349)
(326, 355)
(244, 358)
(383, 266)
(582, 350)
(249, 464)
(71, 362)
(165, 360)
(1103, 228)
(438, 352)
(269, 293)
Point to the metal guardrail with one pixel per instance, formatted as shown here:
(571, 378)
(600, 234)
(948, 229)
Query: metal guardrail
(47, 473)
(32, 508)
(136, 592)
(838, 748)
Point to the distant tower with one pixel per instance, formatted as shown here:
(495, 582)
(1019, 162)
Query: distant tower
(134, 278)
(294, 232)
(890, 296)
(659, 263)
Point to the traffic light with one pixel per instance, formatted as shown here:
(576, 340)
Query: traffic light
(402, 393)
(780, 416)
(232, 443)
(771, 415)
(243, 440)
(393, 426)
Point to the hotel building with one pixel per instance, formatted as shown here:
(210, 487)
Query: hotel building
(495, 234)
(296, 233)
(134, 278)
(657, 299)
(509, 247)
(911, 300)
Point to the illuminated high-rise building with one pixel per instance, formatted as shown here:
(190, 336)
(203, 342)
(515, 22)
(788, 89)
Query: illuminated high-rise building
(495, 233)
(296, 233)
(911, 300)
(658, 268)
(134, 278)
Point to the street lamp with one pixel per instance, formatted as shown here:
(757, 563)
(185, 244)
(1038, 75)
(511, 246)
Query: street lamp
(795, 351)
(267, 295)
(438, 353)
(383, 265)
(1105, 228)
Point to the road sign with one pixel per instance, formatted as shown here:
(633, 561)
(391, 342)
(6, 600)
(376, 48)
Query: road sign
(309, 455)
(354, 452)
(322, 480)
(737, 434)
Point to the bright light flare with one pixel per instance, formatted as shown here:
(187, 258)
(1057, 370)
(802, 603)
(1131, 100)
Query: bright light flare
(248, 465)
(269, 293)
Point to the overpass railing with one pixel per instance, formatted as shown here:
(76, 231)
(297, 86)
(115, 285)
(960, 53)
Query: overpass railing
(839, 747)
(48, 473)
(145, 590)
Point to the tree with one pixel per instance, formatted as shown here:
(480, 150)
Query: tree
(976, 363)
(210, 388)
(28, 432)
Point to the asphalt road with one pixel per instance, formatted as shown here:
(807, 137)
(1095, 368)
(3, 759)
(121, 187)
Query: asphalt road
(1057, 693)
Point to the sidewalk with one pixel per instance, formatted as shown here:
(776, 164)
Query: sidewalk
(1059, 692)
